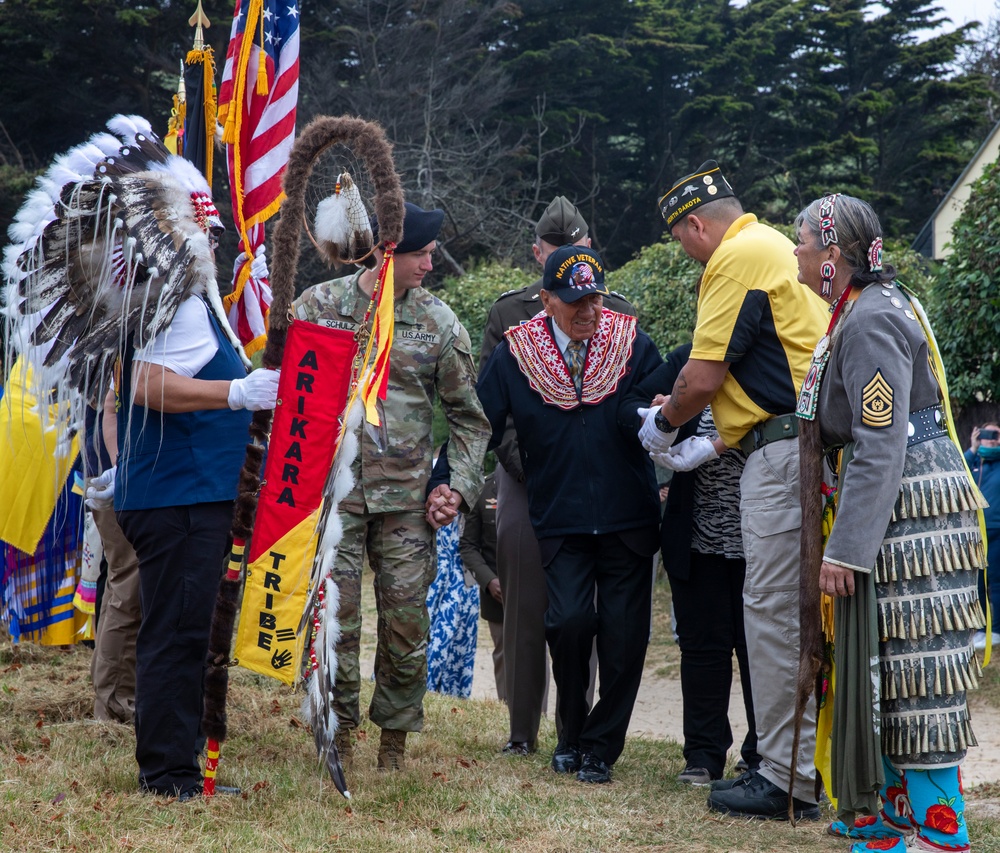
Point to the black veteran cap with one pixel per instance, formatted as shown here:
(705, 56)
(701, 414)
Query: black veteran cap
(573, 272)
(705, 185)
(420, 227)
(561, 223)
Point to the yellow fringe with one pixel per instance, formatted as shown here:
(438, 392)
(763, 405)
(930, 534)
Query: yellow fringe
(262, 88)
(206, 58)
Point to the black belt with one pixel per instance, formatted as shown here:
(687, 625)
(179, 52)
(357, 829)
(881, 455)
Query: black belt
(925, 424)
(775, 429)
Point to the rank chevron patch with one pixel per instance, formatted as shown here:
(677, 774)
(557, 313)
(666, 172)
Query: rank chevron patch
(876, 403)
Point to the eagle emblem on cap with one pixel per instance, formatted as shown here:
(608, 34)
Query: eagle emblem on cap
(581, 276)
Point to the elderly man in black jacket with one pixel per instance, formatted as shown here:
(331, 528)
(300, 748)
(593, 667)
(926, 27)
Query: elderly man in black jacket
(592, 495)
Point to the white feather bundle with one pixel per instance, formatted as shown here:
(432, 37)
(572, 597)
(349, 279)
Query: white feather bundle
(343, 230)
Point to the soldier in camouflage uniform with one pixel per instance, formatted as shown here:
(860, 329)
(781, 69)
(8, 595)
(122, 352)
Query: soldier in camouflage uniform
(384, 515)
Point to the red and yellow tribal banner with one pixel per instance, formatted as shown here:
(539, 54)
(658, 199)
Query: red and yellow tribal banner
(312, 393)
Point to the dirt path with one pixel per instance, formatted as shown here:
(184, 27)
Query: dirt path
(658, 714)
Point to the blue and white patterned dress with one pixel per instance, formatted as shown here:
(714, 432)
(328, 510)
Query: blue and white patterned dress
(454, 615)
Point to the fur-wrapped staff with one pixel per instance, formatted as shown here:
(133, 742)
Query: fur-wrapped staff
(367, 142)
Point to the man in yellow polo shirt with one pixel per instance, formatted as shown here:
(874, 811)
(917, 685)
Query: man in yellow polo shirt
(756, 330)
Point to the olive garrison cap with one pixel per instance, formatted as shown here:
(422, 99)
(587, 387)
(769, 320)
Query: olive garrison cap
(561, 223)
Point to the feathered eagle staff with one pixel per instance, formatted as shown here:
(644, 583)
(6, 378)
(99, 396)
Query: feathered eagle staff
(343, 238)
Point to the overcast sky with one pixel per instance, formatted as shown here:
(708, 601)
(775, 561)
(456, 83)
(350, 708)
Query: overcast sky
(961, 11)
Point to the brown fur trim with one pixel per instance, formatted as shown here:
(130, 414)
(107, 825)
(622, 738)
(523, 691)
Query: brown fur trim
(213, 721)
(811, 558)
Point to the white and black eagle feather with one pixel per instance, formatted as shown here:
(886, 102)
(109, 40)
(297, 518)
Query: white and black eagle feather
(104, 249)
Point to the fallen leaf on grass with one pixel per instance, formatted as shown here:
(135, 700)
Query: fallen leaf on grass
(527, 785)
(441, 777)
(260, 786)
(462, 808)
(57, 816)
(21, 759)
(361, 734)
(14, 667)
(461, 762)
(295, 723)
(45, 742)
(275, 708)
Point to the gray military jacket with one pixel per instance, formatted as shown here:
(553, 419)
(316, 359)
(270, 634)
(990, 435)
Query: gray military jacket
(878, 373)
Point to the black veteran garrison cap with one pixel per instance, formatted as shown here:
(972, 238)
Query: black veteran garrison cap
(420, 227)
(561, 223)
(573, 272)
(705, 185)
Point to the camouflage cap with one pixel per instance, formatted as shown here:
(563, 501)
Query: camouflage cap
(561, 223)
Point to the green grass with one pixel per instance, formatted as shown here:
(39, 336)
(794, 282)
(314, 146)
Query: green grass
(69, 783)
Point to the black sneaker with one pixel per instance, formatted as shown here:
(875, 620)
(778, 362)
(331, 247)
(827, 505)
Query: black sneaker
(758, 798)
(726, 784)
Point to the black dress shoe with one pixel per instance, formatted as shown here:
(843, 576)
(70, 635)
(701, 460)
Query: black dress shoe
(188, 794)
(566, 758)
(758, 798)
(593, 770)
(517, 747)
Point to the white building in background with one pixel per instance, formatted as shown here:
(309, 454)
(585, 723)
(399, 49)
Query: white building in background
(934, 238)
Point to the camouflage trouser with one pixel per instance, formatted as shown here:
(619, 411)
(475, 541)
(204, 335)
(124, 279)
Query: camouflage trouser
(400, 548)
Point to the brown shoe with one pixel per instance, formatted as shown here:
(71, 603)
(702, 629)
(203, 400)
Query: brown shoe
(345, 747)
(390, 750)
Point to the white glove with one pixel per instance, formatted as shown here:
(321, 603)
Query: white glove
(652, 438)
(258, 266)
(257, 391)
(100, 492)
(688, 454)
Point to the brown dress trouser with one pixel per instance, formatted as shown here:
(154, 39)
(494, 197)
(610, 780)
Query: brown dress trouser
(112, 668)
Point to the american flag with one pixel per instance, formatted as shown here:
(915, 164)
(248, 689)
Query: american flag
(257, 102)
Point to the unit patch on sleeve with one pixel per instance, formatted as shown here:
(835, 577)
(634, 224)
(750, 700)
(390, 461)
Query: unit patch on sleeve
(876, 403)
